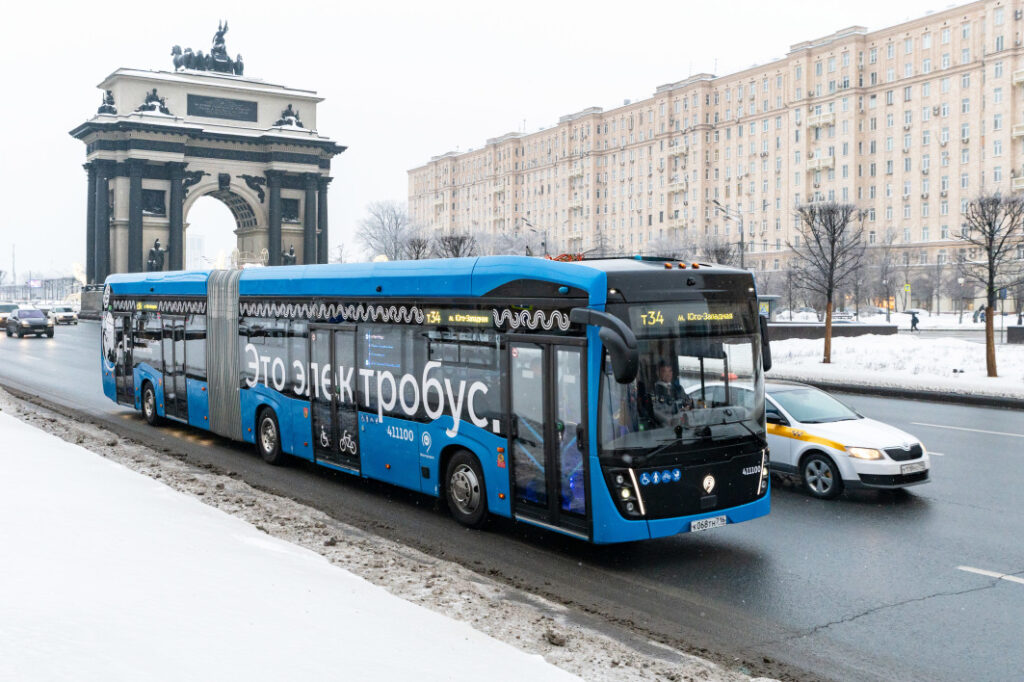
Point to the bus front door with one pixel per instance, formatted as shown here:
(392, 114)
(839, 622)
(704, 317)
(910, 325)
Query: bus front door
(548, 432)
(332, 396)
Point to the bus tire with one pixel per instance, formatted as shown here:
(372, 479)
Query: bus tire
(820, 476)
(465, 491)
(149, 405)
(268, 437)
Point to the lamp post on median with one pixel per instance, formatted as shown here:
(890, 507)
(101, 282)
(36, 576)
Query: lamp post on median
(739, 218)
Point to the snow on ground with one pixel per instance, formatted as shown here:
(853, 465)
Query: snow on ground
(903, 361)
(120, 562)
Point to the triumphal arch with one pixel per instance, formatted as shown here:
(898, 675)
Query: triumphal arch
(161, 139)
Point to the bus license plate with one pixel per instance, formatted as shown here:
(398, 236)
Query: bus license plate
(912, 468)
(705, 524)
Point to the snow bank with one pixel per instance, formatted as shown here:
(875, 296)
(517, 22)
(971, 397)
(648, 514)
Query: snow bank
(902, 361)
(110, 575)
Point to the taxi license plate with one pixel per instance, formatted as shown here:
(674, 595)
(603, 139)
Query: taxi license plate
(705, 524)
(912, 468)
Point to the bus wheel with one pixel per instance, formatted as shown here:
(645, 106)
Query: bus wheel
(149, 405)
(268, 437)
(821, 476)
(465, 490)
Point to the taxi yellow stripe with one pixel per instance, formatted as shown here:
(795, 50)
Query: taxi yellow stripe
(796, 434)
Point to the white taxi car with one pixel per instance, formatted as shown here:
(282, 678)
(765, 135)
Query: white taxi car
(830, 446)
(824, 443)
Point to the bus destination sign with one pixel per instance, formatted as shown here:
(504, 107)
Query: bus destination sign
(459, 318)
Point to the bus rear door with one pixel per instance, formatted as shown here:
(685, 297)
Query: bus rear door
(547, 432)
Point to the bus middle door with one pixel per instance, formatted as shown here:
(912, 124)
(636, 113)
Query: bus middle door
(335, 430)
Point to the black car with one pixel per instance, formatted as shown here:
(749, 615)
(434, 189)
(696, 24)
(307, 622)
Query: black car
(29, 321)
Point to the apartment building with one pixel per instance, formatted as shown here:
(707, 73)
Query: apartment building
(908, 123)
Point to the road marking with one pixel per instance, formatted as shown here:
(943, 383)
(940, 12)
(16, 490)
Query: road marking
(992, 574)
(936, 454)
(961, 428)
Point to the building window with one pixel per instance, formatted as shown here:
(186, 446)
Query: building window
(997, 174)
(998, 69)
(997, 148)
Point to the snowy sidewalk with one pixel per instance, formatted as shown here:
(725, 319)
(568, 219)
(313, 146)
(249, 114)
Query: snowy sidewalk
(109, 575)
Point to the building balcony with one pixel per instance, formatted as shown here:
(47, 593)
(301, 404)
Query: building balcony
(678, 150)
(576, 173)
(818, 120)
(820, 164)
(1017, 184)
(1018, 77)
(677, 186)
(438, 201)
(1018, 130)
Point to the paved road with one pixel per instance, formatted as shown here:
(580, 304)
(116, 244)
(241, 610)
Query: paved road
(866, 587)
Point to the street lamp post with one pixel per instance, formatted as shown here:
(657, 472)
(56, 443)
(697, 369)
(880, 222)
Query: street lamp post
(543, 232)
(739, 218)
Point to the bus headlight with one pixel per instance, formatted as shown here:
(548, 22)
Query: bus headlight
(864, 453)
(626, 492)
(762, 484)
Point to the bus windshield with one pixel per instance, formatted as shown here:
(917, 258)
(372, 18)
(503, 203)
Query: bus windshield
(700, 382)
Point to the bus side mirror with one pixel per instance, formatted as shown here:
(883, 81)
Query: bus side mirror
(617, 337)
(766, 348)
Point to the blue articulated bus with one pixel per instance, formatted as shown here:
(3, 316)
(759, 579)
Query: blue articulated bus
(590, 398)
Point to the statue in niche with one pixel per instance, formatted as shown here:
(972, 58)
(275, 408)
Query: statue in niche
(108, 104)
(289, 117)
(288, 257)
(155, 262)
(154, 103)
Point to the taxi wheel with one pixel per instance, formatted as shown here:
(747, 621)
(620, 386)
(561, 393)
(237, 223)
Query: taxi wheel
(820, 476)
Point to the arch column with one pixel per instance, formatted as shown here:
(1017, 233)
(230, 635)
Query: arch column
(309, 241)
(135, 168)
(274, 228)
(175, 215)
(323, 245)
(90, 225)
(104, 171)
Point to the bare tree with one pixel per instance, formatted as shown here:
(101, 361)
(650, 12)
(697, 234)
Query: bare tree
(418, 244)
(385, 230)
(830, 252)
(455, 245)
(666, 248)
(716, 249)
(884, 262)
(993, 224)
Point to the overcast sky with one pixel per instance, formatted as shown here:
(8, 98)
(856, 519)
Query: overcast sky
(402, 81)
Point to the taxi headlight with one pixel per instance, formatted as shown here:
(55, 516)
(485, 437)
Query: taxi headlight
(865, 453)
(24, 323)
(49, 322)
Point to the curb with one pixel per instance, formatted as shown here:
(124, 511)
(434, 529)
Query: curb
(911, 393)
